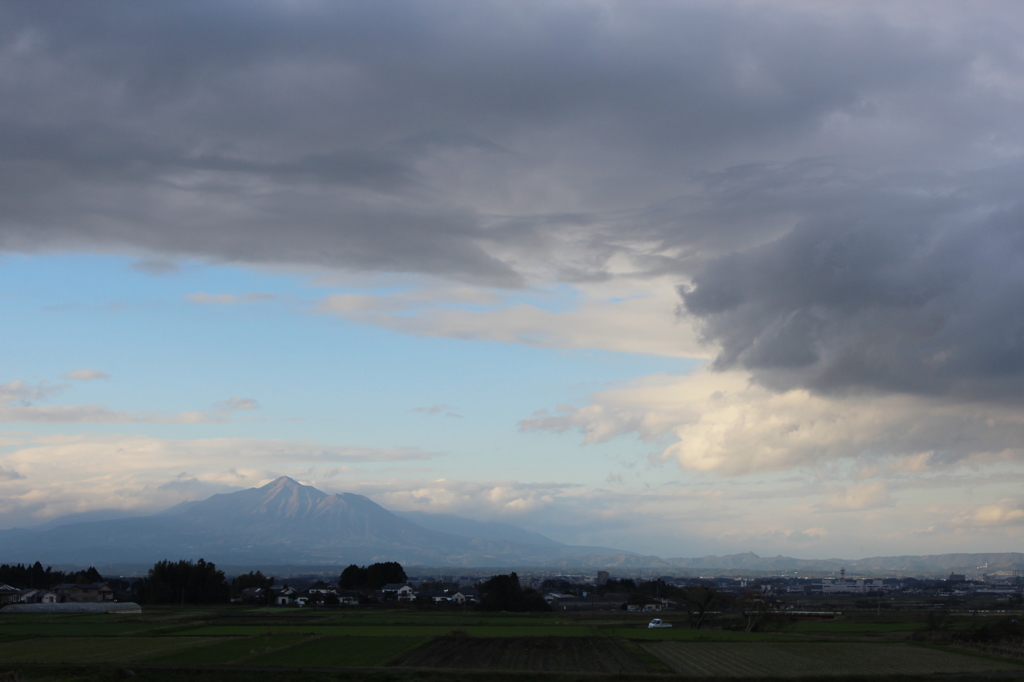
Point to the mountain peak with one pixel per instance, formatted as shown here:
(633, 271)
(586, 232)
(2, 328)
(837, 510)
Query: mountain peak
(281, 482)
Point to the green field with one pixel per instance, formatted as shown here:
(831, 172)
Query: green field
(167, 644)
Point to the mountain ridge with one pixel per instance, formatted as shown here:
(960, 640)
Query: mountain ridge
(286, 522)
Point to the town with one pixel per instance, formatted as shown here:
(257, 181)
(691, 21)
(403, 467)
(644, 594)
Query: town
(386, 584)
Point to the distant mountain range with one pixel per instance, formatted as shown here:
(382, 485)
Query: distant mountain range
(286, 523)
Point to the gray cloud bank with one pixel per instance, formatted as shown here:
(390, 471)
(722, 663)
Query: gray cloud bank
(837, 184)
(916, 288)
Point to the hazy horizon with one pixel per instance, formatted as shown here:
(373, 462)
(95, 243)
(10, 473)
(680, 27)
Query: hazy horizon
(680, 278)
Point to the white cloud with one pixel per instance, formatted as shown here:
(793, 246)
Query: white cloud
(1003, 513)
(86, 375)
(622, 316)
(430, 410)
(857, 497)
(489, 499)
(17, 398)
(721, 422)
(19, 392)
(229, 299)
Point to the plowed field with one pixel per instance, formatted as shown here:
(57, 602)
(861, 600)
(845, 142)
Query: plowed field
(550, 654)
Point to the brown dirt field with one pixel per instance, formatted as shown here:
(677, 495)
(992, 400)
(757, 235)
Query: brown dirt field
(547, 654)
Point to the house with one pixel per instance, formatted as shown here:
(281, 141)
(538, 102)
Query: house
(320, 587)
(9, 595)
(399, 591)
(434, 596)
(38, 597)
(254, 595)
(84, 592)
(286, 596)
(348, 597)
(465, 595)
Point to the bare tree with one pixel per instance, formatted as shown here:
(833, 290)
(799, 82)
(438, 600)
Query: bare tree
(698, 600)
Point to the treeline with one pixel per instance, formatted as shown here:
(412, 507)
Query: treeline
(504, 593)
(201, 582)
(372, 577)
(36, 577)
(182, 582)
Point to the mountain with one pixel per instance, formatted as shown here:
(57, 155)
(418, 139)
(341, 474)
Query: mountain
(285, 522)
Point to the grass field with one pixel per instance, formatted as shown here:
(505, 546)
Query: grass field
(168, 644)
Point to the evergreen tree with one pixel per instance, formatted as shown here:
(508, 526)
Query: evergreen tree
(373, 577)
(504, 593)
(183, 582)
(251, 579)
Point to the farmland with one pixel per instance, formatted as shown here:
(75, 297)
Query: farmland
(547, 654)
(754, 659)
(276, 644)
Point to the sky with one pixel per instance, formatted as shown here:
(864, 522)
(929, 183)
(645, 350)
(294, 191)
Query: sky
(679, 278)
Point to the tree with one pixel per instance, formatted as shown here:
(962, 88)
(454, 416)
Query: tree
(617, 585)
(88, 576)
(504, 593)
(352, 578)
(381, 574)
(373, 577)
(35, 576)
(753, 608)
(251, 579)
(698, 600)
(183, 582)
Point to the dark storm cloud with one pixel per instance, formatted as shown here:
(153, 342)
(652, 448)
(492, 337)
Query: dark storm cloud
(436, 137)
(840, 177)
(916, 287)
